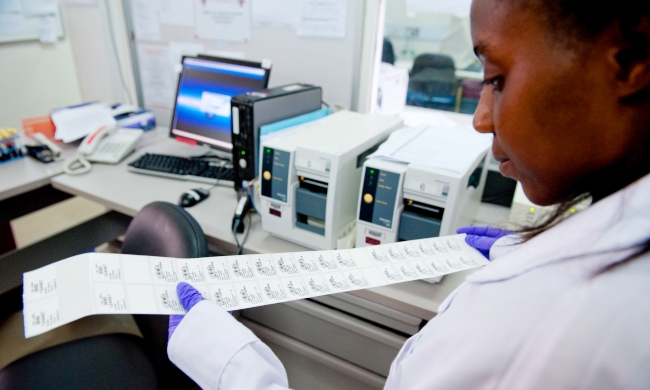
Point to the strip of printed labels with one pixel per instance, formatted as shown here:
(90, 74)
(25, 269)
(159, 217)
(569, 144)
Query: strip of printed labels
(105, 283)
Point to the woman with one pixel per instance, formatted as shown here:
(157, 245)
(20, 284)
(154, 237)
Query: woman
(567, 98)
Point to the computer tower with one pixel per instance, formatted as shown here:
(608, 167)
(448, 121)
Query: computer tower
(254, 109)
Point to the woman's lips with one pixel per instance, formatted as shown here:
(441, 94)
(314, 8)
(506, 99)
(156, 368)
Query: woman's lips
(504, 163)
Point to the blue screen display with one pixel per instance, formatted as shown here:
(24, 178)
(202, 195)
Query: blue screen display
(205, 87)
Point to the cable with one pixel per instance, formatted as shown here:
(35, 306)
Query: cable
(325, 104)
(240, 246)
(251, 193)
(243, 208)
(207, 155)
(111, 34)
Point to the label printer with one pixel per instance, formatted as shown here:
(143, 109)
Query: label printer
(310, 178)
(401, 202)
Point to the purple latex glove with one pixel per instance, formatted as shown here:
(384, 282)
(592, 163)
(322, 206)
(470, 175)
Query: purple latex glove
(482, 237)
(189, 297)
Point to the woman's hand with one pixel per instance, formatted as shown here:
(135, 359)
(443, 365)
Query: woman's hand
(189, 297)
(482, 237)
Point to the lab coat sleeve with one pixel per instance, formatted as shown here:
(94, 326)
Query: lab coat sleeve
(504, 245)
(218, 352)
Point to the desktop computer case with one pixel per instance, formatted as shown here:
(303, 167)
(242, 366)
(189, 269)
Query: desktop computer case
(254, 109)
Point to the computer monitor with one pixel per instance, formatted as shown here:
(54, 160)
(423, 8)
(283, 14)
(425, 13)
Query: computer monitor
(205, 87)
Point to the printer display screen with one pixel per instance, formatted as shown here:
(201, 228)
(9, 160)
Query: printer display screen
(379, 196)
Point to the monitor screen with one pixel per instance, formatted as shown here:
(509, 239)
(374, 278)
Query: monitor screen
(205, 87)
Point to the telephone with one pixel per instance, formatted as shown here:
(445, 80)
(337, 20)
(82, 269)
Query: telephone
(108, 145)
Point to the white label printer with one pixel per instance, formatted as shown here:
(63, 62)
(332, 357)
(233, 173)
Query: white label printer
(310, 178)
(401, 202)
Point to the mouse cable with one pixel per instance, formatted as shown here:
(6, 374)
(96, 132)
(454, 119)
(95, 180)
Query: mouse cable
(208, 155)
(243, 208)
(248, 229)
(240, 245)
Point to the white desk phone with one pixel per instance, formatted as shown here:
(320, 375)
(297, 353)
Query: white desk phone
(108, 145)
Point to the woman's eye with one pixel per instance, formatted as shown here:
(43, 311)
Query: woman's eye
(495, 82)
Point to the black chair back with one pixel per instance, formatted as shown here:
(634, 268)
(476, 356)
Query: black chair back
(166, 230)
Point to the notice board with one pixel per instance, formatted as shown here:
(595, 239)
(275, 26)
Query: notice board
(317, 42)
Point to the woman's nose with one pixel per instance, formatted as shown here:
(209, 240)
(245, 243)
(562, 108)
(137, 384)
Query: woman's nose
(483, 118)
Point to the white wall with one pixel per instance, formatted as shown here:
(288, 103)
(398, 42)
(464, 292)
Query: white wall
(90, 55)
(35, 78)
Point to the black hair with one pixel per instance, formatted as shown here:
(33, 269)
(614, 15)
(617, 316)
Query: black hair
(579, 20)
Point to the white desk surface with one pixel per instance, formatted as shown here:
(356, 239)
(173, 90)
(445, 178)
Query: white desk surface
(127, 192)
(26, 174)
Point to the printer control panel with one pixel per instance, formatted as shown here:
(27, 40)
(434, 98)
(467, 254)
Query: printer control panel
(275, 174)
(380, 191)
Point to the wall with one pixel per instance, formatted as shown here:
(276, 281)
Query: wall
(86, 34)
(35, 78)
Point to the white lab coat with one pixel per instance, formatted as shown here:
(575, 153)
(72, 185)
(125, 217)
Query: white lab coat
(542, 316)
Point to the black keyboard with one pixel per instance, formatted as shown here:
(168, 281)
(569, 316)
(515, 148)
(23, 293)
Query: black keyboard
(183, 168)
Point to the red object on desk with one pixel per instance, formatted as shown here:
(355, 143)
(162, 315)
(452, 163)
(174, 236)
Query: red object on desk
(40, 124)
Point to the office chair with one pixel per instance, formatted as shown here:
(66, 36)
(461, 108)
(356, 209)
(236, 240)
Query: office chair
(112, 361)
(167, 230)
(433, 82)
(120, 361)
(387, 53)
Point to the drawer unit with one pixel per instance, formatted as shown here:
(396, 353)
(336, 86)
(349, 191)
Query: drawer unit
(341, 335)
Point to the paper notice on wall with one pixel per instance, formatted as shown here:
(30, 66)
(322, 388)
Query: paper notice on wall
(46, 26)
(177, 13)
(156, 76)
(275, 13)
(237, 55)
(102, 283)
(228, 20)
(179, 49)
(145, 19)
(10, 6)
(457, 7)
(12, 24)
(322, 18)
(39, 7)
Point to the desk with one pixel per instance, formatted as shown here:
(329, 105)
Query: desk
(126, 192)
(26, 188)
(314, 341)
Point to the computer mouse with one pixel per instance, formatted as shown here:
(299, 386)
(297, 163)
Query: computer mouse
(191, 197)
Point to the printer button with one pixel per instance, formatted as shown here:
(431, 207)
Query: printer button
(242, 163)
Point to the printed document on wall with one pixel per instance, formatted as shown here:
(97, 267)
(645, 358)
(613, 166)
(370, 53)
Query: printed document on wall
(275, 13)
(176, 52)
(12, 22)
(228, 20)
(46, 26)
(39, 7)
(176, 13)
(456, 7)
(145, 19)
(156, 76)
(322, 18)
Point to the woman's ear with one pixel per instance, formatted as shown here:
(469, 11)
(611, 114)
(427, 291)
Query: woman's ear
(631, 57)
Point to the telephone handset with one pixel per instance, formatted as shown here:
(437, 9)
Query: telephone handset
(108, 145)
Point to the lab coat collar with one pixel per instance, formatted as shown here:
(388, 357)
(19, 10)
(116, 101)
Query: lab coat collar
(603, 233)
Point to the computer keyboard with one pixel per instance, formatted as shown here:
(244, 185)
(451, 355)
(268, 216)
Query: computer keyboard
(183, 168)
